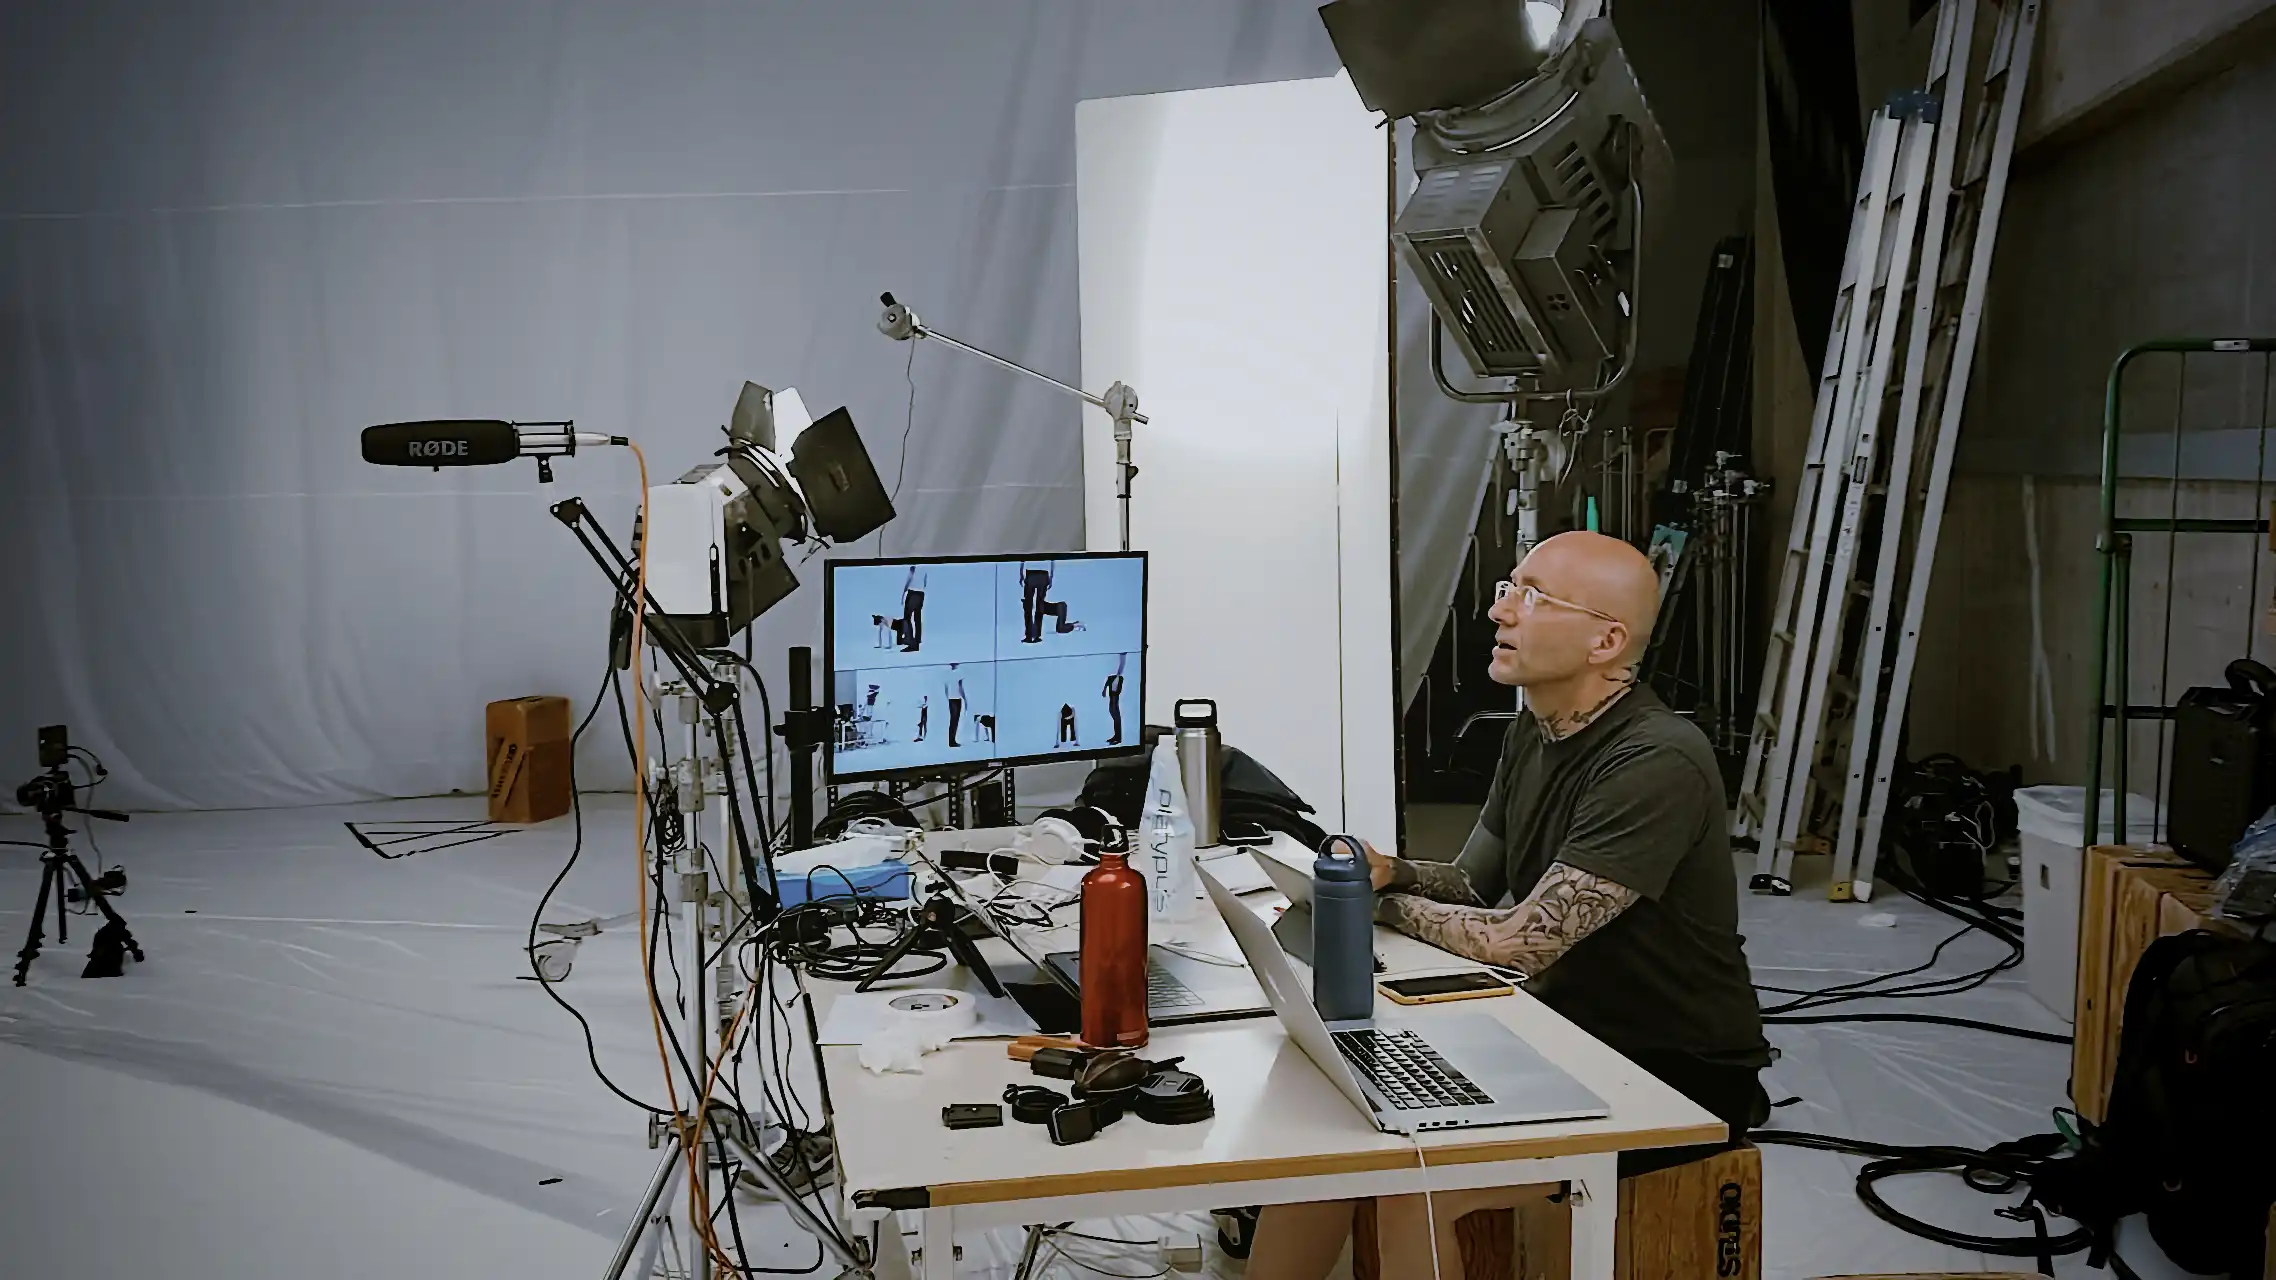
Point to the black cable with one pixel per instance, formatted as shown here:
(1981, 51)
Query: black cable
(1952, 984)
(766, 714)
(1069, 1231)
(1922, 967)
(852, 961)
(1093, 1267)
(576, 848)
(28, 844)
(771, 1091)
(1972, 915)
(763, 853)
(660, 914)
(732, 1174)
(1996, 1170)
(901, 464)
(1793, 1020)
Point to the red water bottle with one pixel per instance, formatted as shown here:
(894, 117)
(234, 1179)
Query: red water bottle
(1113, 965)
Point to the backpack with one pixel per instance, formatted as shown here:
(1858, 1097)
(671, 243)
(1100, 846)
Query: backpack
(1253, 796)
(2190, 1135)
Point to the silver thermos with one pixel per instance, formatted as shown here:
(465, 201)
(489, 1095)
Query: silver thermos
(1200, 761)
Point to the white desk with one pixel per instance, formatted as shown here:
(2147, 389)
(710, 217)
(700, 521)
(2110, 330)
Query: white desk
(1282, 1133)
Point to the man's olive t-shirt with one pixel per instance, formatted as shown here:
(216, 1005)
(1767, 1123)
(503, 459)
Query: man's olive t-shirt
(1636, 797)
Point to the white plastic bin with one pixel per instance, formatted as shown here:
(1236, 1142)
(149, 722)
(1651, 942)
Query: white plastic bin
(2049, 820)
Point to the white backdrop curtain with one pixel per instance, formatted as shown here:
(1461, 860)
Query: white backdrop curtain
(234, 232)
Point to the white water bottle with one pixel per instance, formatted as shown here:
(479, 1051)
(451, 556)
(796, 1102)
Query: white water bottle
(1165, 854)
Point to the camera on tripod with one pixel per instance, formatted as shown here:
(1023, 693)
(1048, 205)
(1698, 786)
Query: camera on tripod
(53, 794)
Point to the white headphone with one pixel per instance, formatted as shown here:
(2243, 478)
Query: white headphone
(1052, 840)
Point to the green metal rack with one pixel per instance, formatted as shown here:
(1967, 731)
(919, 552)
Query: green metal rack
(2115, 544)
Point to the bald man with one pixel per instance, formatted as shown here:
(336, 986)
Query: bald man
(1599, 867)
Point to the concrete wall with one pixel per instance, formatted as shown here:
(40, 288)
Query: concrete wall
(2155, 225)
(2102, 60)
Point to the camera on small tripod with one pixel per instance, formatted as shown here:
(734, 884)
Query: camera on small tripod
(52, 794)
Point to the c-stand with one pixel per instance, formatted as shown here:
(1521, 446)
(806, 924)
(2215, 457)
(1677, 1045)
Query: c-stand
(699, 1140)
(54, 794)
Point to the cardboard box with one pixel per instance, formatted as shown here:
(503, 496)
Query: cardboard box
(526, 751)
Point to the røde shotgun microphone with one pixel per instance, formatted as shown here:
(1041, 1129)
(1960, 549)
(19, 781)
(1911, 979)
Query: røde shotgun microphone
(470, 442)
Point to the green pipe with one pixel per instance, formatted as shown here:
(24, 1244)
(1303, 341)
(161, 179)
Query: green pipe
(2122, 555)
(2187, 524)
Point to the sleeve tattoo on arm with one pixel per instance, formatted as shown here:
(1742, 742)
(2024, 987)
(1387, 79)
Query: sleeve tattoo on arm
(1437, 881)
(1567, 905)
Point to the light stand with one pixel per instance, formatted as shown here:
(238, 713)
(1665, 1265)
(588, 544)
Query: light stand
(718, 918)
(1120, 402)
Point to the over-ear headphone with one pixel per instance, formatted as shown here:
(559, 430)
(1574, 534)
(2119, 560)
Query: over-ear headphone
(1053, 840)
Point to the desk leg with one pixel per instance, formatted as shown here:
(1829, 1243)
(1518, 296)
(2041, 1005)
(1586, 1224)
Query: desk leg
(1596, 1217)
(892, 1262)
(939, 1228)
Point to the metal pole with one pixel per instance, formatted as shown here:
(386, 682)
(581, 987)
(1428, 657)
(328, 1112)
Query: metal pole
(1016, 367)
(1123, 472)
(695, 888)
(802, 759)
(2106, 628)
(659, 1186)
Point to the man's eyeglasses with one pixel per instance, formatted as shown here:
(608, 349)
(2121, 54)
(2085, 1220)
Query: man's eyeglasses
(1530, 597)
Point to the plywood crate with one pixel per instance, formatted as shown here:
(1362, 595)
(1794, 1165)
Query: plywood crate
(2129, 898)
(1702, 1219)
(1697, 1219)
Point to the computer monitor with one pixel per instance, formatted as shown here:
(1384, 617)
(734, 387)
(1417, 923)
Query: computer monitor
(951, 664)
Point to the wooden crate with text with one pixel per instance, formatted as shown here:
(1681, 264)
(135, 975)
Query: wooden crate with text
(1692, 1222)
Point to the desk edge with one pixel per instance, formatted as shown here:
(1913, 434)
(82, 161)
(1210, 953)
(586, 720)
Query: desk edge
(1151, 1178)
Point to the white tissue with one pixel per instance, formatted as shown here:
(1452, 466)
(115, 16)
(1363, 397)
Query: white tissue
(1878, 920)
(901, 1048)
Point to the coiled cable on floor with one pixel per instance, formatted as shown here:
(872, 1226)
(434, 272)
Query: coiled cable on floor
(2000, 1169)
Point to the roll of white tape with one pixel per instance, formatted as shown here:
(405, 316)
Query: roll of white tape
(933, 1007)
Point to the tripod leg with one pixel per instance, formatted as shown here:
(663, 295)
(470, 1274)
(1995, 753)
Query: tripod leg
(899, 952)
(102, 903)
(762, 1171)
(31, 951)
(651, 1219)
(1027, 1256)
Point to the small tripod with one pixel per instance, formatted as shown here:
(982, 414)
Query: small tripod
(113, 942)
(937, 925)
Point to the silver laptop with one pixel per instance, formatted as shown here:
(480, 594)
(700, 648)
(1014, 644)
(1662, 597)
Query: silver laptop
(1451, 1071)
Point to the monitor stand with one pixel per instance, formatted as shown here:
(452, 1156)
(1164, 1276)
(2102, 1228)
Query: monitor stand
(994, 805)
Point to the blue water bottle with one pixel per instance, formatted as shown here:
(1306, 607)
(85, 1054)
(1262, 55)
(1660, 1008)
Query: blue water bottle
(1343, 931)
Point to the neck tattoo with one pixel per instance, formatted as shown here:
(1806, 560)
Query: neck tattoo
(1560, 725)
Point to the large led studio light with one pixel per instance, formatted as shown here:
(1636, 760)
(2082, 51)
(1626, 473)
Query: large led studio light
(1533, 151)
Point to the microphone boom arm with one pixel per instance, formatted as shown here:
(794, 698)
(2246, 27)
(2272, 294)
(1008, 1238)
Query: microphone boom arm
(1119, 403)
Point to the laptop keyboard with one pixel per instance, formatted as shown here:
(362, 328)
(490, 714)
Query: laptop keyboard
(1164, 990)
(1406, 1070)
